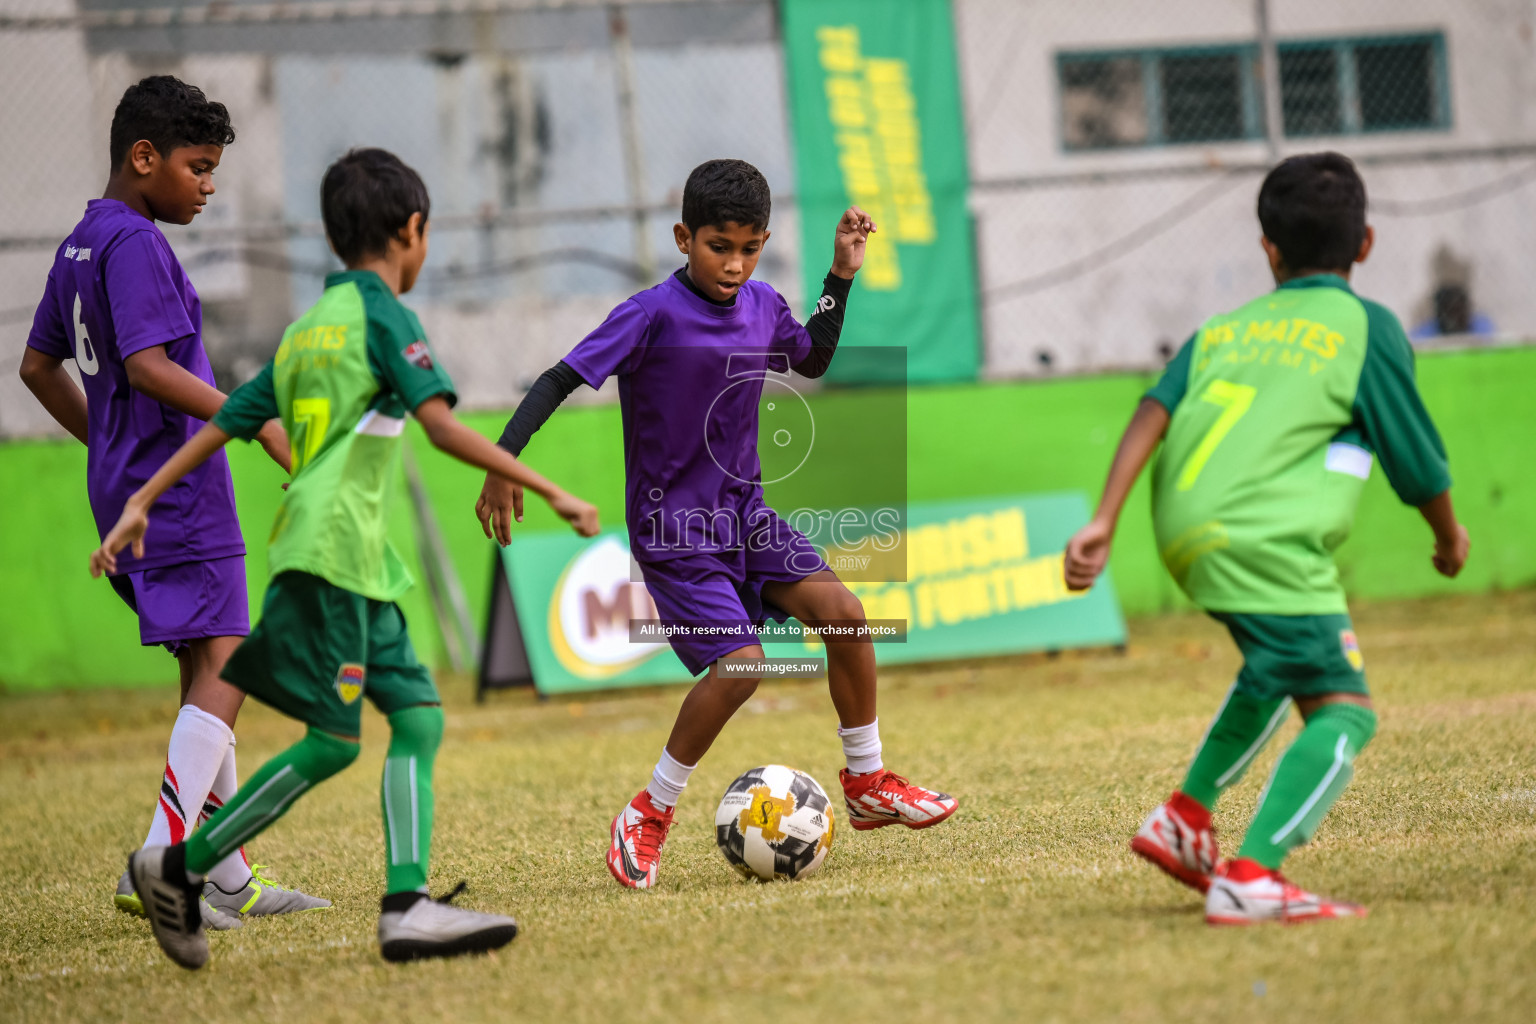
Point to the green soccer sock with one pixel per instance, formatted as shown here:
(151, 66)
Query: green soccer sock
(414, 735)
(1308, 778)
(1236, 735)
(267, 795)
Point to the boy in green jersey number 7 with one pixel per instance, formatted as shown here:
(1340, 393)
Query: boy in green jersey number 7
(1270, 417)
(342, 381)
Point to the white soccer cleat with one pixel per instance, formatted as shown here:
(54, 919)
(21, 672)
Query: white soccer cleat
(882, 798)
(432, 928)
(1246, 892)
(171, 903)
(637, 836)
(1177, 837)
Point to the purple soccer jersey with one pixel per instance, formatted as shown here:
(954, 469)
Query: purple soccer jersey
(690, 375)
(115, 289)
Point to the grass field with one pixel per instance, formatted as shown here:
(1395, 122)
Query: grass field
(1026, 905)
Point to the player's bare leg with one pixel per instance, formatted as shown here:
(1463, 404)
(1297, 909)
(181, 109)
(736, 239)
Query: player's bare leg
(201, 663)
(875, 796)
(822, 599)
(640, 830)
(709, 705)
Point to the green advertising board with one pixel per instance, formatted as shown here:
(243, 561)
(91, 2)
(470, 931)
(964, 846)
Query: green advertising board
(875, 110)
(983, 578)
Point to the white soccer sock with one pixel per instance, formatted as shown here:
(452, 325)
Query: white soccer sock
(861, 746)
(198, 744)
(668, 780)
(231, 873)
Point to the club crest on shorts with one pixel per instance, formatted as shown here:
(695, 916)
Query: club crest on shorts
(349, 682)
(1351, 648)
(417, 354)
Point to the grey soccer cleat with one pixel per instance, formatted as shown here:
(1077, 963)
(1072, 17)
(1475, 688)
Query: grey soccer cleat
(127, 900)
(434, 928)
(159, 876)
(260, 896)
(214, 920)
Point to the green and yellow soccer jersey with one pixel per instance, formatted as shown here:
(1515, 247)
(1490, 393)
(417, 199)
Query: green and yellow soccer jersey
(343, 379)
(1276, 410)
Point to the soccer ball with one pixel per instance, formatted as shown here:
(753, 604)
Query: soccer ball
(774, 822)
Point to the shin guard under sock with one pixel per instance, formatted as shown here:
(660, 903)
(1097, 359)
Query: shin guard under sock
(1307, 780)
(267, 795)
(199, 743)
(231, 873)
(1236, 735)
(406, 793)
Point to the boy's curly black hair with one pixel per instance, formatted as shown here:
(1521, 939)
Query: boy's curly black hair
(721, 192)
(366, 197)
(168, 113)
(1313, 208)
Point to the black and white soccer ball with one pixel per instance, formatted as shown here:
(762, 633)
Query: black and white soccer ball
(775, 822)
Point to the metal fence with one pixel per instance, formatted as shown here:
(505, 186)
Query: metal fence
(1115, 151)
(554, 138)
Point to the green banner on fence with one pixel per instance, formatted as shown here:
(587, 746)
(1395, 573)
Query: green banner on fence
(875, 109)
(983, 578)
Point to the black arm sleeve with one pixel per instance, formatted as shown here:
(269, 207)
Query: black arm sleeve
(553, 387)
(825, 326)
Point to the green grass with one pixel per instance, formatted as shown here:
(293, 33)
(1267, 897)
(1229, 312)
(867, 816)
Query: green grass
(1026, 906)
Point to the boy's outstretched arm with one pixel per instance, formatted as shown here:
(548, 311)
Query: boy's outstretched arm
(135, 518)
(1451, 542)
(45, 376)
(501, 500)
(448, 435)
(154, 373)
(853, 231)
(1088, 551)
(825, 325)
(1395, 423)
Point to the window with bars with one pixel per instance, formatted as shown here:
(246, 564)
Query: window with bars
(1153, 97)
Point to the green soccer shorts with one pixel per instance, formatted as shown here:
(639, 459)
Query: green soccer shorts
(319, 649)
(1296, 655)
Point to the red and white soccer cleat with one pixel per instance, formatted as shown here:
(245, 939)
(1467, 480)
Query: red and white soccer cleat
(1246, 892)
(639, 832)
(1178, 838)
(882, 798)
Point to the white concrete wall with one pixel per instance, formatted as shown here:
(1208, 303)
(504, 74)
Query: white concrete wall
(1139, 299)
(1136, 298)
(293, 114)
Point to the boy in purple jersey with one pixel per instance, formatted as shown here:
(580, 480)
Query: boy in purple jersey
(690, 355)
(119, 304)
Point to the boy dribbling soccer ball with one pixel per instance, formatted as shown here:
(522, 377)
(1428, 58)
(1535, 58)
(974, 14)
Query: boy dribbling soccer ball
(690, 355)
(1270, 418)
(342, 381)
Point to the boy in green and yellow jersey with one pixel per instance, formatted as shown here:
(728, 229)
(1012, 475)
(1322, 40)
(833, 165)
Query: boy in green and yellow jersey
(1269, 418)
(343, 380)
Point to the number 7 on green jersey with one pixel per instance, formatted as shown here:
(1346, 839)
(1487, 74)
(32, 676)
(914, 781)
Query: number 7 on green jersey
(1235, 400)
(313, 418)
